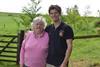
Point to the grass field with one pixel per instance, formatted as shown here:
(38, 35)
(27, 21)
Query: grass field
(85, 51)
(7, 25)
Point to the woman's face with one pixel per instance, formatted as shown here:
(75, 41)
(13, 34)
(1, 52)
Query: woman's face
(54, 14)
(38, 27)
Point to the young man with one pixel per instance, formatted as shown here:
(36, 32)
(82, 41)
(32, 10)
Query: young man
(61, 37)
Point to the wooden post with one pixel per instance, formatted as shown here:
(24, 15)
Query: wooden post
(20, 39)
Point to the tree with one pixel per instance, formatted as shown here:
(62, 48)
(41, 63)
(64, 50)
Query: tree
(87, 11)
(79, 23)
(73, 17)
(87, 26)
(98, 13)
(28, 14)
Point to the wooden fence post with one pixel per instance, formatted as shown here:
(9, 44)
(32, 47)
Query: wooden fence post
(20, 39)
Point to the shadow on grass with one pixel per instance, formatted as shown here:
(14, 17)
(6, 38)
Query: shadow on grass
(85, 63)
(94, 65)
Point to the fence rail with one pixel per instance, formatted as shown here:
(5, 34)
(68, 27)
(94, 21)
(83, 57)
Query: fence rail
(8, 36)
(8, 42)
(16, 40)
(87, 36)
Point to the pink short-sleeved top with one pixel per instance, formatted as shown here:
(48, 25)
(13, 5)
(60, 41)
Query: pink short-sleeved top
(34, 50)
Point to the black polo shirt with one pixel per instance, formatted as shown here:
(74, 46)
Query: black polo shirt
(57, 42)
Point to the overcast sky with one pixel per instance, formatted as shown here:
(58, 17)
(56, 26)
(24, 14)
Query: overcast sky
(17, 5)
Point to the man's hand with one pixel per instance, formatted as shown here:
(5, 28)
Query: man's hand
(63, 65)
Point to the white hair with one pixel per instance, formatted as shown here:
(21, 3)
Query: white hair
(39, 19)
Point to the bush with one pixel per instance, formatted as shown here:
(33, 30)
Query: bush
(97, 24)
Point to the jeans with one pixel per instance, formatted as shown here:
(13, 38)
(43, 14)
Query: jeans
(25, 65)
(49, 65)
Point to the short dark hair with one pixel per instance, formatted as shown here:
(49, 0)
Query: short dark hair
(58, 8)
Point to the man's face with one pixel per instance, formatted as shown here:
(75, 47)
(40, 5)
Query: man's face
(54, 14)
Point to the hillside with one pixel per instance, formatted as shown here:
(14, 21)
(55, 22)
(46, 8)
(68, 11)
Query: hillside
(7, 23)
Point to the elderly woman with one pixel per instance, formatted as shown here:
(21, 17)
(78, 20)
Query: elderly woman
(34, 48)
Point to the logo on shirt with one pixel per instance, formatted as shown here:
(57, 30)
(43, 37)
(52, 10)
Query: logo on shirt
(61, 33)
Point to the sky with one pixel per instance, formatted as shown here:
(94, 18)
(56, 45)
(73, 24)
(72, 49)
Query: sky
(17, 5)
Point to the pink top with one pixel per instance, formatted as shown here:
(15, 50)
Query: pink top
(34, 50)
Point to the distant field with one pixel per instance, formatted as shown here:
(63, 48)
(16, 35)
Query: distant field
(7, 25)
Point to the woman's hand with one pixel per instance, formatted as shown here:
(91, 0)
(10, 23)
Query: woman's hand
(21, 65)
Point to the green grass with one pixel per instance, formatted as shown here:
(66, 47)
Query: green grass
(6, 64)
(7, 25)
(86, 50)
